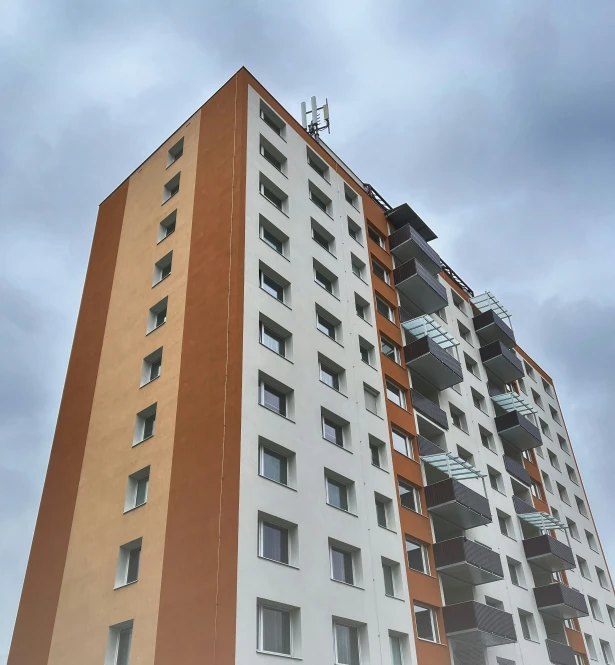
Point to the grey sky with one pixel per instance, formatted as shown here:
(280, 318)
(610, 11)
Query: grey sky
(495, 120)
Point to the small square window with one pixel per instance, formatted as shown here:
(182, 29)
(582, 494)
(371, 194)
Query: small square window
(409, 496)
(362, 307)
(129, 557)
(459, 302)
(157, 315)
(583, 567)
(342, 568)
(548, 388)
(322, 237)
(366, 351)
(505, 522)
(145, 424)
(377, 452)
(375, 236)
(319, 165)
(591, 541)
(390, 349)
(354, 231)
(607, 653)
(273, 464)
(333, 432)
(325, 278)
(515, 570)
(416, 554)
(563, 444)
(272, 120)
(383, 508)
(581, 507)
(426, 623)
(272, 340)
(402, 442)
(529, 370)
(563, 493)
(162, 268)
(603, 579)
(479, 401)
(471, 366)
(385, 309)
(274, 630)
(337, 493)
(137, 489)
(346, 644)
(396, 394)
(458, 418)
(572, 474)
(528, 626)
(381, 272)
(495, 480)
(351, 197)
(271, 285)
(171, 188)
(152, 367)
(167, 226)
(273, 237)
(272, 398)
(358, 267)
(319, 198)
(329, 376)
(573, 529)
(465, 333)
(326, 325)
(487, 439)
(175, 152)
(273, 193)
(594, 607)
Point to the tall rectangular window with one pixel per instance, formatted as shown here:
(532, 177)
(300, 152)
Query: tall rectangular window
(416, 554)
(272, 340)
(270, 286)
(274, 630)
(273, 466)
(332, 432)
(381, 514)
(401, 442)
(138, 486)
(274, 542)
(346, 642)
(119, 643)
(337, 494)
(341, 565)
(272, 399)
(397, 657)
(426, 623)
(145, 424)
(389, 579)
(409, 496)
(128, 562)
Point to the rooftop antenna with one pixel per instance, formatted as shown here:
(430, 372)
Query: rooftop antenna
(315, 126)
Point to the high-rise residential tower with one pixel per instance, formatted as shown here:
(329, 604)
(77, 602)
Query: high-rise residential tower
(289, 429)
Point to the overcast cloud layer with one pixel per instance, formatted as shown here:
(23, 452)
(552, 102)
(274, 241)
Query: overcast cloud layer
(494, 119)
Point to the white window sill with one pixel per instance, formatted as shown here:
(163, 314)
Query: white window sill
(148, 382)
(122, 586)
(147, 438)
(130, 510)
(347, 512)
(324, 289)
(153, 330)
(163, 239)
(352, 586)
(275, 250)
(276, 413)
(276, 299)
(271, 203)
(386, 528)
(394, 597)
(321, 210)
(271, 480)
(279, 355)
(279, 655)
(161, 280)
(170, 197)
(339, 392)
(280, 563)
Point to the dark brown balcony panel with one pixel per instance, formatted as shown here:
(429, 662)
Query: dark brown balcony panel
(428, 408)
(403, 215)
(518, 431)
(478, 624)
(490, 328)
(549, 553)
(560, 601)
(427, 447)
(429, 360)
(407, 243)
(517, 470)
(458, 504)
(560, 654)
(468, 561)
(501, 361)
(418, 285)
(522, 507)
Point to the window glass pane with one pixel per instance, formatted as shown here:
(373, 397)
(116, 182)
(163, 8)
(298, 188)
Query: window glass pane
(371, 401)
(124, 641)
(275, 630)
(381, 513)
(273, 399)
(346, 645)
(416, 558)
(154, 372)
(271, 287)
(272, 341)
(424, 623)
(389, 585)
(274, 542)
(141, 493)
(329, 377)
(395, 394)
(384, 309)
(132, 573)
(272, 241)
(364, 354)
(337, 494)
(396, 653)
(379, 271)
(332, 432)
(375, 452)
(389, 349)
(148, 426)
(325, 282)
(408, 497)
(274, 466)
(324, 326)
(320, 239)
(161, 317)
(400, 443)
(341, 566)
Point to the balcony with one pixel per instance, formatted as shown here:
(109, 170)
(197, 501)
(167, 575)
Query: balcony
(517, 470)
(560, 601)
(501, 361)
(429, 360)
(427, 447)
(428, 408)
(490, 328)
(419, 286)
(560, 654)
(549, 553)
(468, 561)
(403, 214)
(518, 431)
(522, 507)
(458, 504)
(478, 624)
(406, 243)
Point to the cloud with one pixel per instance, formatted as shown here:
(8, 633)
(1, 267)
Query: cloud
(493, 119)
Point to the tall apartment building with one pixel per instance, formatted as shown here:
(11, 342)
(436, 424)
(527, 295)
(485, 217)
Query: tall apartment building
(289, 429)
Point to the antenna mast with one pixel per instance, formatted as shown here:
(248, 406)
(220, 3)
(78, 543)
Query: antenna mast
(314, 126)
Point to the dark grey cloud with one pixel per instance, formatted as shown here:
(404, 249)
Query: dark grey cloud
(495, 120)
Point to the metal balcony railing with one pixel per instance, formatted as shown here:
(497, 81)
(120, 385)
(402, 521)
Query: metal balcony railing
(478, 623)
(428, 408)
(516, 470)
(560, 654)
(549, 553)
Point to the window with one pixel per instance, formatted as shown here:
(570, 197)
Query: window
(273, 541)
(487, 439)
(591, 649)
(583, 567)
(563, 444)
(171, 188)
(536, 490)
(272, 340)
(361, 307)
(515, 570)
(506, 528)
(272, 155)
(553, 459)
(318, 164)
(162, 268)
(322, 237)
(119, 643)
(548, 388)
(416, 553)
(441, 313)
(389, 579)
(471, 366)
(603, 579)
(366, 351)
(152, 366)
(329, 376)
(326, 324)
(611, 612)
(375, 236)
(145, 424)
(381, 272)
(272, 236)
(358, 267)
(409, 496)
(458, 301)
(594, 607)
(591, 541)
(337, 493)
(136, 492)
(464, 333)
(350, 196)
(341, 565)
(529, 370)
(458, 418)
(319, 198)
(382, 513)
(544, 428)
(537, 400)
(273, 193)
(332, 431)
(271, 286)
(572, 527)
(522, 387)
(354, 231)
(167, 226)
(555, 415)
(389, 349)
(563, 493)
(376, 449)
(157, 315)
(346, 644)
(426, 623)
(372, 397)
(547, 482)
(274, 630)
(128, 563)
(495, 480)
(528, 626)
(494, 602)
(396, 394)
(385, 309)
(479, 401)
(396, 650)
(325, 278)
(401, 442)
(272, 399)
(273, 465)
(272, 120)
(605, 647)
(581, 506)
(175, 152)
